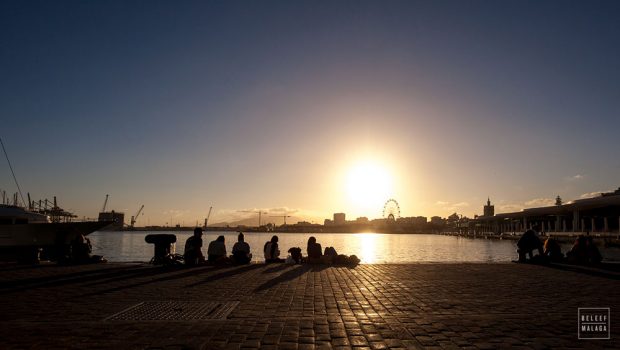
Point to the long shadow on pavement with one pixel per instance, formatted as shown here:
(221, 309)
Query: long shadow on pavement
(225, 274)
(15, 266)
(277, 268)
(50, 277)
(295, 272)
(157, 270)
(587, 270)
(69, 278)
(192, 272)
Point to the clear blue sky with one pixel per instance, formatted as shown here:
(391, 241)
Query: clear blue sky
(182, 105)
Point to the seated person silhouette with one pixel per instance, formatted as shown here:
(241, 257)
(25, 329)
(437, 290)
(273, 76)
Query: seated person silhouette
(553, 251)
(241, 251)
(193, 249)
(594, 255)
(272, 253)
(217, 250)
(315, 252)
(295, 256)
(578, 254)
(528, 242)
(81, 249)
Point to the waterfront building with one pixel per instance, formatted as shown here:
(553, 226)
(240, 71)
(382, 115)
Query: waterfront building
(599, 214)
(414, 220)
(488, 210)
(437, 220)
(339, 219)
(362, 220)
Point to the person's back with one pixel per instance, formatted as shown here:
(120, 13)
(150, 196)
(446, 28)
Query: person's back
(241, 247)
(193, 248)
(272, 253)
(217, 249)
(553, 250)
(314, 250)
(241, 251)
(594, 255)
(527, 243)
(81, 249)
(579, 252)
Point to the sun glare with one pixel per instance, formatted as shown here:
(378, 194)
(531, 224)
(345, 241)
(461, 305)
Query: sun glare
(368, 185)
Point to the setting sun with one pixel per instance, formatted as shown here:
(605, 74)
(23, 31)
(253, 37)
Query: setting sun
(368, 186)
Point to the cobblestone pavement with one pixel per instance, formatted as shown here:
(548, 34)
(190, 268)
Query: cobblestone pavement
(434, 306)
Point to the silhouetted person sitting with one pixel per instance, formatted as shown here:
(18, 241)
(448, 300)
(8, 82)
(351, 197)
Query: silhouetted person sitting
(553, 250)
(594, 255)
(217, 250)
(295, 256)
(527, 243)
(272, 253)
(314, 250)
(241, 251)
(81, 249)
(193, 249)
(578, 254)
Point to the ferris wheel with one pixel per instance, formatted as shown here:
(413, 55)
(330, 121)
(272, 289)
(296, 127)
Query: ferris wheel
(391, 210)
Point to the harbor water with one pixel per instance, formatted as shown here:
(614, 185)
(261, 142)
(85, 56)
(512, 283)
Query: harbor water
(128, 246)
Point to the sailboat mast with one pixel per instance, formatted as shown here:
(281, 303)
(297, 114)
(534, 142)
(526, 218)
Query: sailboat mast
(12, 172)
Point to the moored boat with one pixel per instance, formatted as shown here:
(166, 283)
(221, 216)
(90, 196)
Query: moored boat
(25, 233)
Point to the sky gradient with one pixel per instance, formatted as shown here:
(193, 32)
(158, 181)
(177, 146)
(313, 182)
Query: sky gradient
(245, 105)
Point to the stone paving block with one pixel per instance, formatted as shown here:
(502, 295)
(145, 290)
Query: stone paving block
(323, 345)
(323, 337)
(358, 341)
(355, 332)
(270, 339)
(306, 340)
(338, 333)
(378, 345)
(251, 343)
(373, 337)
(340, 342)
(291, 338)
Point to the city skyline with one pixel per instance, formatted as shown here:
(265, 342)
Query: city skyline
(309, 108)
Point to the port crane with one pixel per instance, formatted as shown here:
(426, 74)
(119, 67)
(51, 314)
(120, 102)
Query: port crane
(105, 203)
(260, 213)
(281, 216)
(208, 216)
(135, 217)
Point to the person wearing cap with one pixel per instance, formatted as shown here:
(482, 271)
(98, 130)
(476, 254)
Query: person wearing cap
(193, 249)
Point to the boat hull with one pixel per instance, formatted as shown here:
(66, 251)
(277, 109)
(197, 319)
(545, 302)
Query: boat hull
(45, 234)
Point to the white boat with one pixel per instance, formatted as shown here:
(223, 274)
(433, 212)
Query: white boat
(24, 233)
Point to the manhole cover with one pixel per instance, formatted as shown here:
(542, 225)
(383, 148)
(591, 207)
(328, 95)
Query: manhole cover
(175, 311)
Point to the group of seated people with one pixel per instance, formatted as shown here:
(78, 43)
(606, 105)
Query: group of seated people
(216, 252)
(583, 251)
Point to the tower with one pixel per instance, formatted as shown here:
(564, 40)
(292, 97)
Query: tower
(489, 210)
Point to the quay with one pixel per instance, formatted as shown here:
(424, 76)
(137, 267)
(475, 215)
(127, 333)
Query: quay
(278, 306)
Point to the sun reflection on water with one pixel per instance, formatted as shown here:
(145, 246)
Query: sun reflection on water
(368, 247)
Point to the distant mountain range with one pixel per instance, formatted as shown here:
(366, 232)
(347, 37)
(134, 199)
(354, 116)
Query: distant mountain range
(254, 221)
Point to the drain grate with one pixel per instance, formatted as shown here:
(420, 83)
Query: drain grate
(175, 311)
